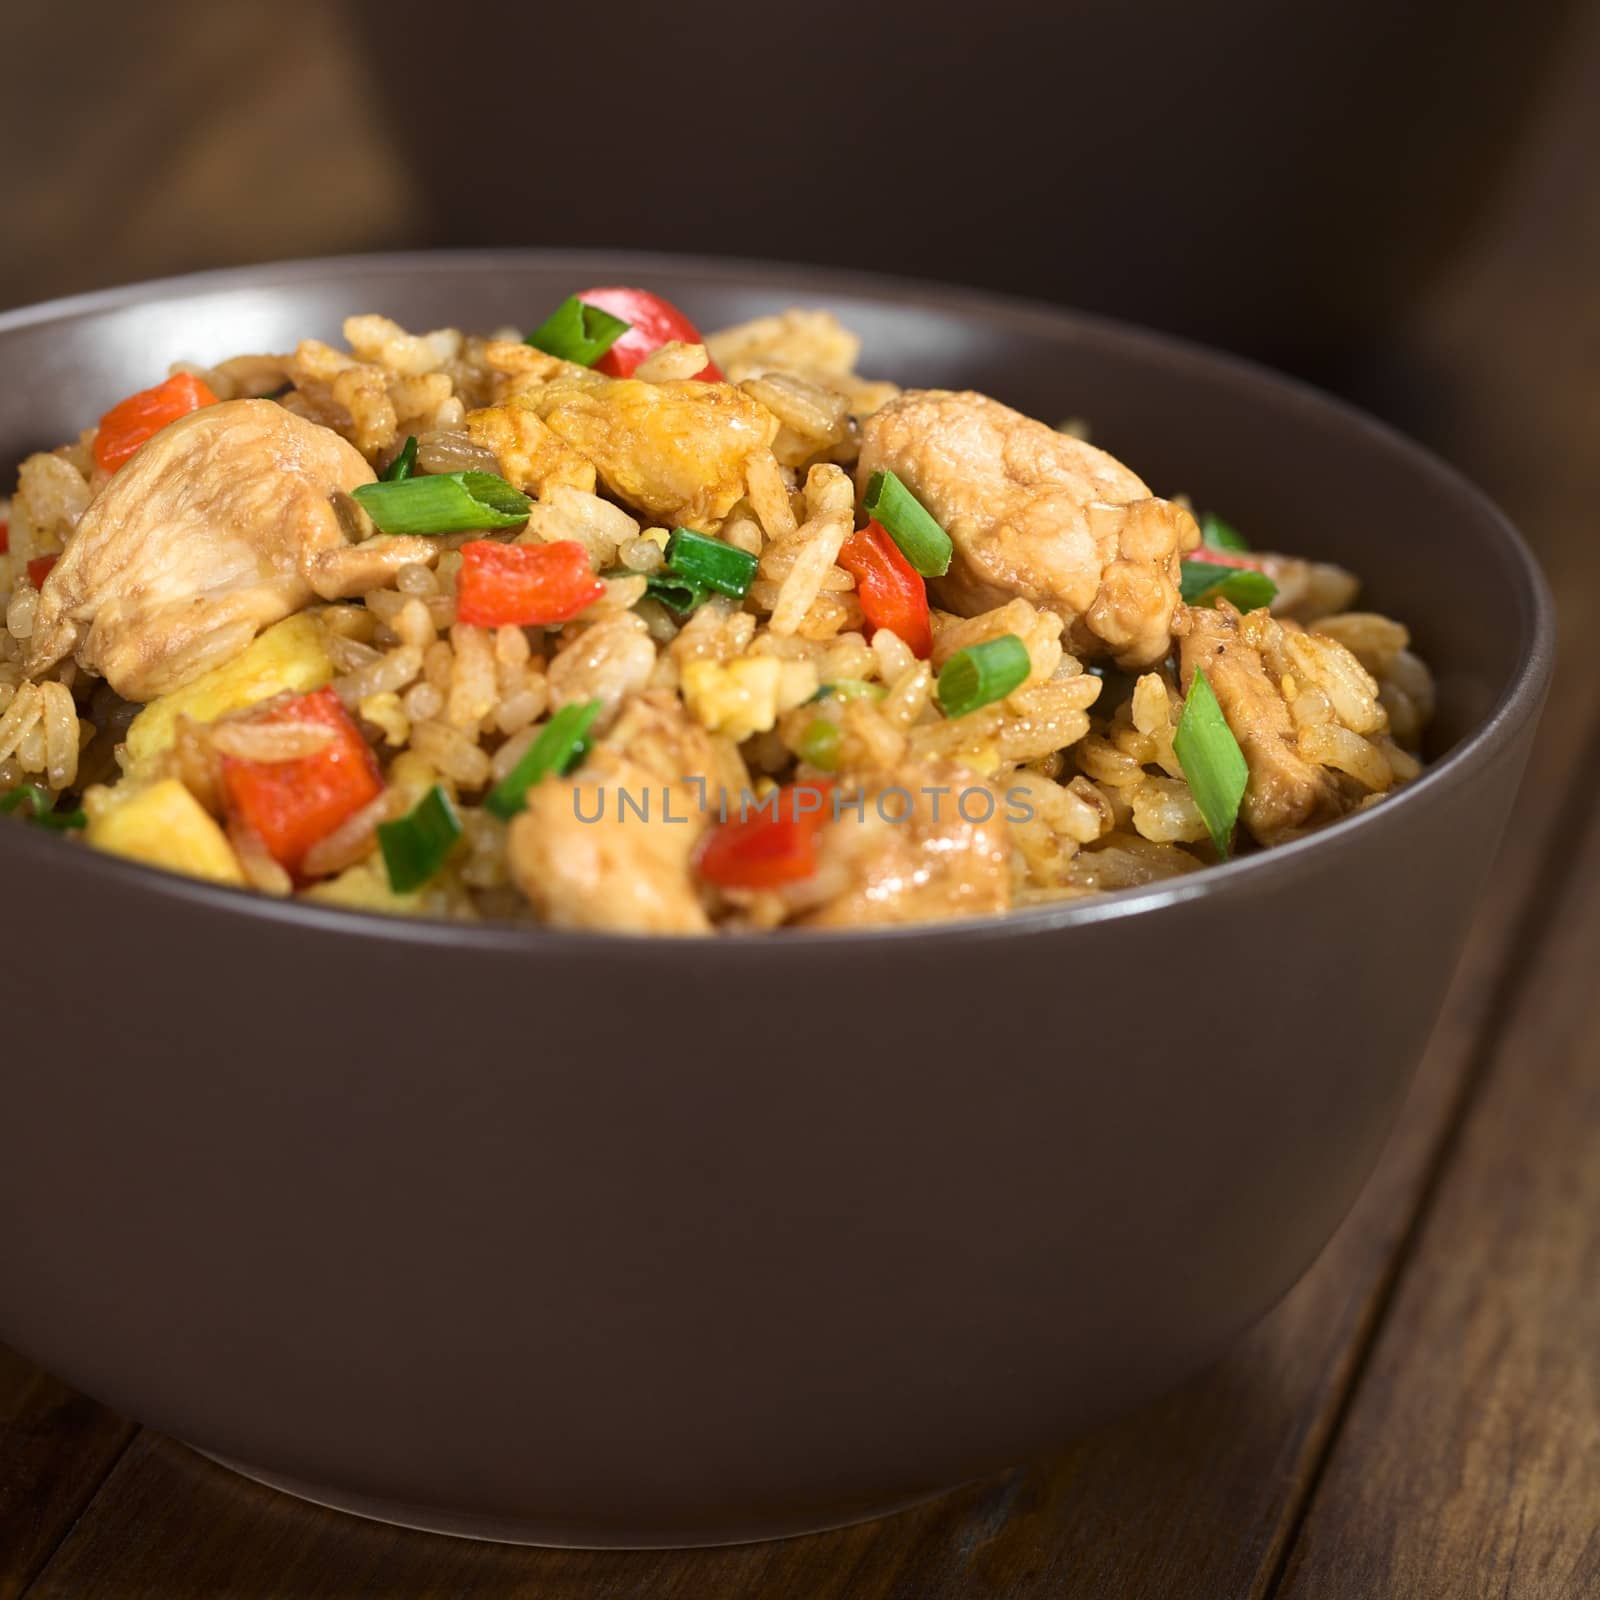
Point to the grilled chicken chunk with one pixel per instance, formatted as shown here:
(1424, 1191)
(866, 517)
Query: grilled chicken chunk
(584, 863)
(351, 569)
(531, 456)
(930, 866)
(1285, 790)
(1035, 513)
(678, 451)
(622, 872)
(655, 732)
(212, 532)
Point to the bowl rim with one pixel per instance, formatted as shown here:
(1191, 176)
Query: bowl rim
(1519, 701)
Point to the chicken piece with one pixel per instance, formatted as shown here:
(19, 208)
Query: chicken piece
(530, 455)
(1285, 790)
(205, 537)
(655, 732)
(352, 569)
(679, 451)
(585, 858)
(912, 855)
(624, 872)
(1037, 514)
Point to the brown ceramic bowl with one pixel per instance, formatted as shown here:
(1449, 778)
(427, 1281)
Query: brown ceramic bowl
(596, 1240)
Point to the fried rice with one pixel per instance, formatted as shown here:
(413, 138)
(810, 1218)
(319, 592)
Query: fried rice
(214, 660)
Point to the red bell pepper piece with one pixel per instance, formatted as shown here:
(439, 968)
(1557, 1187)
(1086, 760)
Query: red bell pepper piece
(141, 416)
(770, 845)
(39, 569)
(292, 804)
(652, 322)
(1226, 558)
(890, 589)
(523, 585)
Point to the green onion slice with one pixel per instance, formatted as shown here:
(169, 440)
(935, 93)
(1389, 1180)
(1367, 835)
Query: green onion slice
(403, 464)
(983, 673)
(1205, 583)
(1220, 535)
(41, 808)
(1211, 760)
(849, 689)
(416, 845)
(577, 332)
(719, 566)
(819, 744)
(448, 502)
(681, 595)
(558, 748)
(910, 524)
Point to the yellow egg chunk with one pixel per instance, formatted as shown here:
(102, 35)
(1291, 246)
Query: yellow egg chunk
(365, 887)
(289, 656)
(679, 451)
(738, 698)
(165, 826)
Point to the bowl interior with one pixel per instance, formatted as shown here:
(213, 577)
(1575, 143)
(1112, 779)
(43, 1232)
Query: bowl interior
(1292, 469)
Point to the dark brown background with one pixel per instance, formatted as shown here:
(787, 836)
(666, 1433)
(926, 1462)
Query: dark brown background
(1403, 201)
(1285, 179)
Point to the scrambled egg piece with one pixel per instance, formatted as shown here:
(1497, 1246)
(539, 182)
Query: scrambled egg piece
(365, 887)
(745, 695)
(679, 451)
(165, 826)
(531, 456)
(288, 656)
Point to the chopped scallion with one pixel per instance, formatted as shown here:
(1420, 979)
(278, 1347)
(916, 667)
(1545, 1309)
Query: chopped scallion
(41, 808)
(983, 673)
(416, 845)
(1206, 582)
(557, 749)
(819, 744)
(1212, 761)
(403, 464)
(677, 594)
(849, 689)
(723, 567)
(1219, 535)
(910, 524)
(577, 332)
(447, 502)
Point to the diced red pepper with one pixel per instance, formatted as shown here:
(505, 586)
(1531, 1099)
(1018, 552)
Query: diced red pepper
(5, 537)
(890, 589)
(142, 416)
(292, 804)
(39, 569)
(524, 585)
(771, 845)
(652, 322)
(1226, 558)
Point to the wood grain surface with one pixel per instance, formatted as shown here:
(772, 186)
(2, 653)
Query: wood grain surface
(1421, 1417)
(1470, 1462)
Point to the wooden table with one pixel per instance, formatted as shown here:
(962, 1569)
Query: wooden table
(1421, 1417)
